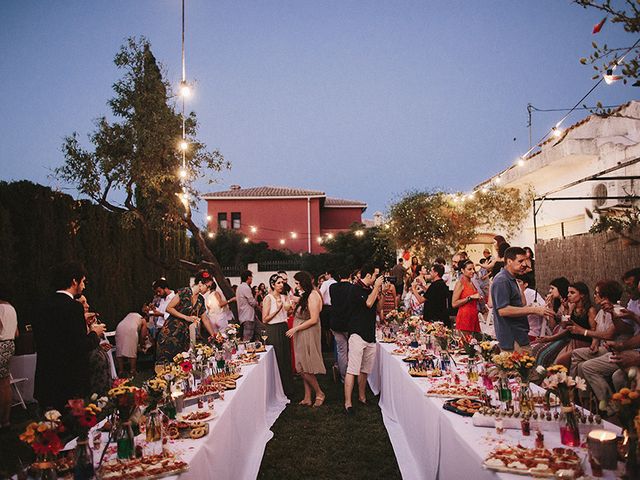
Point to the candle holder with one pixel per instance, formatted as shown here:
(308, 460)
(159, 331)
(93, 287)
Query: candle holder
(602, 446)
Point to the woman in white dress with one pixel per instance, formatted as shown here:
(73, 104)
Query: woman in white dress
(218, 309)
(130, 332)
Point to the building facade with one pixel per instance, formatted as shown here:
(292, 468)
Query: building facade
(285, 218)
(590, 165)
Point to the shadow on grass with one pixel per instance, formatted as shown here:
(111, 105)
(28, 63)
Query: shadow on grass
(325, 443)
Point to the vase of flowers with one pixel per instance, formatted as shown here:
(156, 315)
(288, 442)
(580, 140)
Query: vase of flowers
(627, 403)
(125, 399)
(84, 416)
(125, 441)
(557, 381)
(44, 438)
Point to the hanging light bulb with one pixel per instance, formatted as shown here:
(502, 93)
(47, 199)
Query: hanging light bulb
(498, 180)
(485, 190)
(520, 162)
(185, 89)
(182, 172)
(359, 233)
(330, 236)
(183, 145)
(210, 235)
(209, 217)
(556, 132)
(254, 229)
(246, 240)
(294, 235)
(319, 239)
(282, 241)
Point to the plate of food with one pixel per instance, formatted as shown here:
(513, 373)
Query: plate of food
(425, 373)
(197, 416)
(463, 406)
(148, 467)
(388, 340)
(453, 390)
(187, 430)
(536, 462)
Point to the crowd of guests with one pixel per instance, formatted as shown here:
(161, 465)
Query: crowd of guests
(593, 336)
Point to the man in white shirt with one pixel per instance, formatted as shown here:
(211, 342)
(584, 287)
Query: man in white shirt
(325, 313)
(165, 294)
(247, 305)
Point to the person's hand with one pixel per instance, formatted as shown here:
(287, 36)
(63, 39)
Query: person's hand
(626, 358)
(594, 346)
(290, 332)
(106, 346)
(624, 313)
(542, 339)
(99, 328)
(607, 306)
(617, 346)
(544, 311)
(476, 296)
(576, 329)
(232, 299)
(378, 281)
(193, 319)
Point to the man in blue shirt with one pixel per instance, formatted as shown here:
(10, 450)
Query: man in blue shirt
(509, 310)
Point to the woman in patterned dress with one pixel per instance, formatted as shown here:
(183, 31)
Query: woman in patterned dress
(185, 308)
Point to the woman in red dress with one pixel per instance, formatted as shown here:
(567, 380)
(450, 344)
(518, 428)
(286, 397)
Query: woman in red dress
(465, 299)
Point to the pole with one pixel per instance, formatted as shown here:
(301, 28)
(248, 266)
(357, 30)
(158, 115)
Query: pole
(535, 226)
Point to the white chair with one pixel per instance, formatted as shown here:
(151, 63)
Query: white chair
(15, 385)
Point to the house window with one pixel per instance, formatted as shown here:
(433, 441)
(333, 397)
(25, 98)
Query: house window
(222, 220)
(235, 220)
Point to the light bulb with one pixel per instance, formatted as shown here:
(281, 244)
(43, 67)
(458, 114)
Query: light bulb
(254, 229)
(556, 132)
(485, 189)
(498, 180)
(330, 236)
(319, 239)
(183, 145)
(282, 241)
(246, 240)
(359, 233)
(520, 162)
(183, 173)
(185, 90)
(209, 217)
(294, 235)
(210, 235)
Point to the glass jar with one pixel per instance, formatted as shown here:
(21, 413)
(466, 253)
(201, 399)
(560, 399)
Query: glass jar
(472, 370)
(125, 441)
(525, 398)
(569, 430)
(83, 469)
(153, 433)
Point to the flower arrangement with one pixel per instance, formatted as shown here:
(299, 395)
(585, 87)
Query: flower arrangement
(203, 352)
(126, 398)
(44, 436)
(470, 346)
(487, 349)
(217, 340)
(156, 389)
(231, 331)
(523, 364)
(396, 316)
(84, 414)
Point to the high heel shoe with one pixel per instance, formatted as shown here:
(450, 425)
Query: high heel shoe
(319, 400)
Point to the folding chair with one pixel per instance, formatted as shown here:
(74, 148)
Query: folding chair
(15, 382)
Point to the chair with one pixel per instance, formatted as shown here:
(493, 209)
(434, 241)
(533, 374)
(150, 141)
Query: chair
(15, 382)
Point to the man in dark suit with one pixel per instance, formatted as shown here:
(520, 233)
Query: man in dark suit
(62, 341)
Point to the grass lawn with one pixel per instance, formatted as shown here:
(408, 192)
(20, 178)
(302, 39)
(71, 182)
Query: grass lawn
(325, 443)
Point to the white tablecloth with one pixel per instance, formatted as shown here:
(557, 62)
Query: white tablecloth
(430, 442)
(239, 433)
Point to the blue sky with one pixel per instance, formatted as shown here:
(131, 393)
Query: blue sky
(361, 99)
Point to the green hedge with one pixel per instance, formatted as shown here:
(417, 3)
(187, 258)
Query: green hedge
(40, 227)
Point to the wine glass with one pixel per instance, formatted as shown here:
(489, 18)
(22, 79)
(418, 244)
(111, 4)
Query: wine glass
(264, 337)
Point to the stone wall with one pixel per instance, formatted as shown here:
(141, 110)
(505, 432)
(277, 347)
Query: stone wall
(587, 257)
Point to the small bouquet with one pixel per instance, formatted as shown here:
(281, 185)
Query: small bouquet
(84, 414)
(156, 389)
(232, 331)
(503, 364)
(126, 398)
(523, 364)
(203, 352)
(44, 437)
(412, 324)
(217, 340)
(470, 346)
(487, 349)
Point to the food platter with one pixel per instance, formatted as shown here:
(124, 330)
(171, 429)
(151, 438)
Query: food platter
(536, 462)
(147, 468)
(453, 390)
(463, 406)
(197, 416)
(422, 373)
(181, 429)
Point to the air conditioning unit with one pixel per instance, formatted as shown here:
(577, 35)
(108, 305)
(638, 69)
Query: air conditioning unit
(612, 189)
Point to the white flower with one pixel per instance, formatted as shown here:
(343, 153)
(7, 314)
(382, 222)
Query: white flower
(581, 384)
(550, 382)
(52, 415)
(102, 402)
(94, 397)
(540, 370)
(562, 377)
(570, 382)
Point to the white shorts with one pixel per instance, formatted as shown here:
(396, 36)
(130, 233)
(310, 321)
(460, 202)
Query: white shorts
(361, 355)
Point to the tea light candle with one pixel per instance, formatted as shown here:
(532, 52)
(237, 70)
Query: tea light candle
(603, 448)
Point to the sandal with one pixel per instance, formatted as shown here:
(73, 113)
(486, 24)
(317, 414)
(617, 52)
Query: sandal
(302, 402)
(319, 400)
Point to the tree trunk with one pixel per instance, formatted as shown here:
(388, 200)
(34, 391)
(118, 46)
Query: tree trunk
(210, 259)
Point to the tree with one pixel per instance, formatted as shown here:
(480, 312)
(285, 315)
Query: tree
(437, 224)
(604, 57)
(353, 249)
(134, 166)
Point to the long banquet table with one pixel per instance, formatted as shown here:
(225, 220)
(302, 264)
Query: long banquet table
(238, 434)
(433, 443)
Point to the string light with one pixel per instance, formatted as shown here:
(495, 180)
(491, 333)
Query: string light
(182, 173)
(330, 236)
(319, 239)
(294, 235)
(556, 132)
(246, 240)
(359, 233)
(520, 162)
(498, 179)
(485, 190)
(210, 234)
(183, 145)
(254, 229)
(209, 218)
(185, 89)
(282, 241)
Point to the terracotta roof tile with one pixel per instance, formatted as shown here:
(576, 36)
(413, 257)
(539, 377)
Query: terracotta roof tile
(265, 191)
(342, 202)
